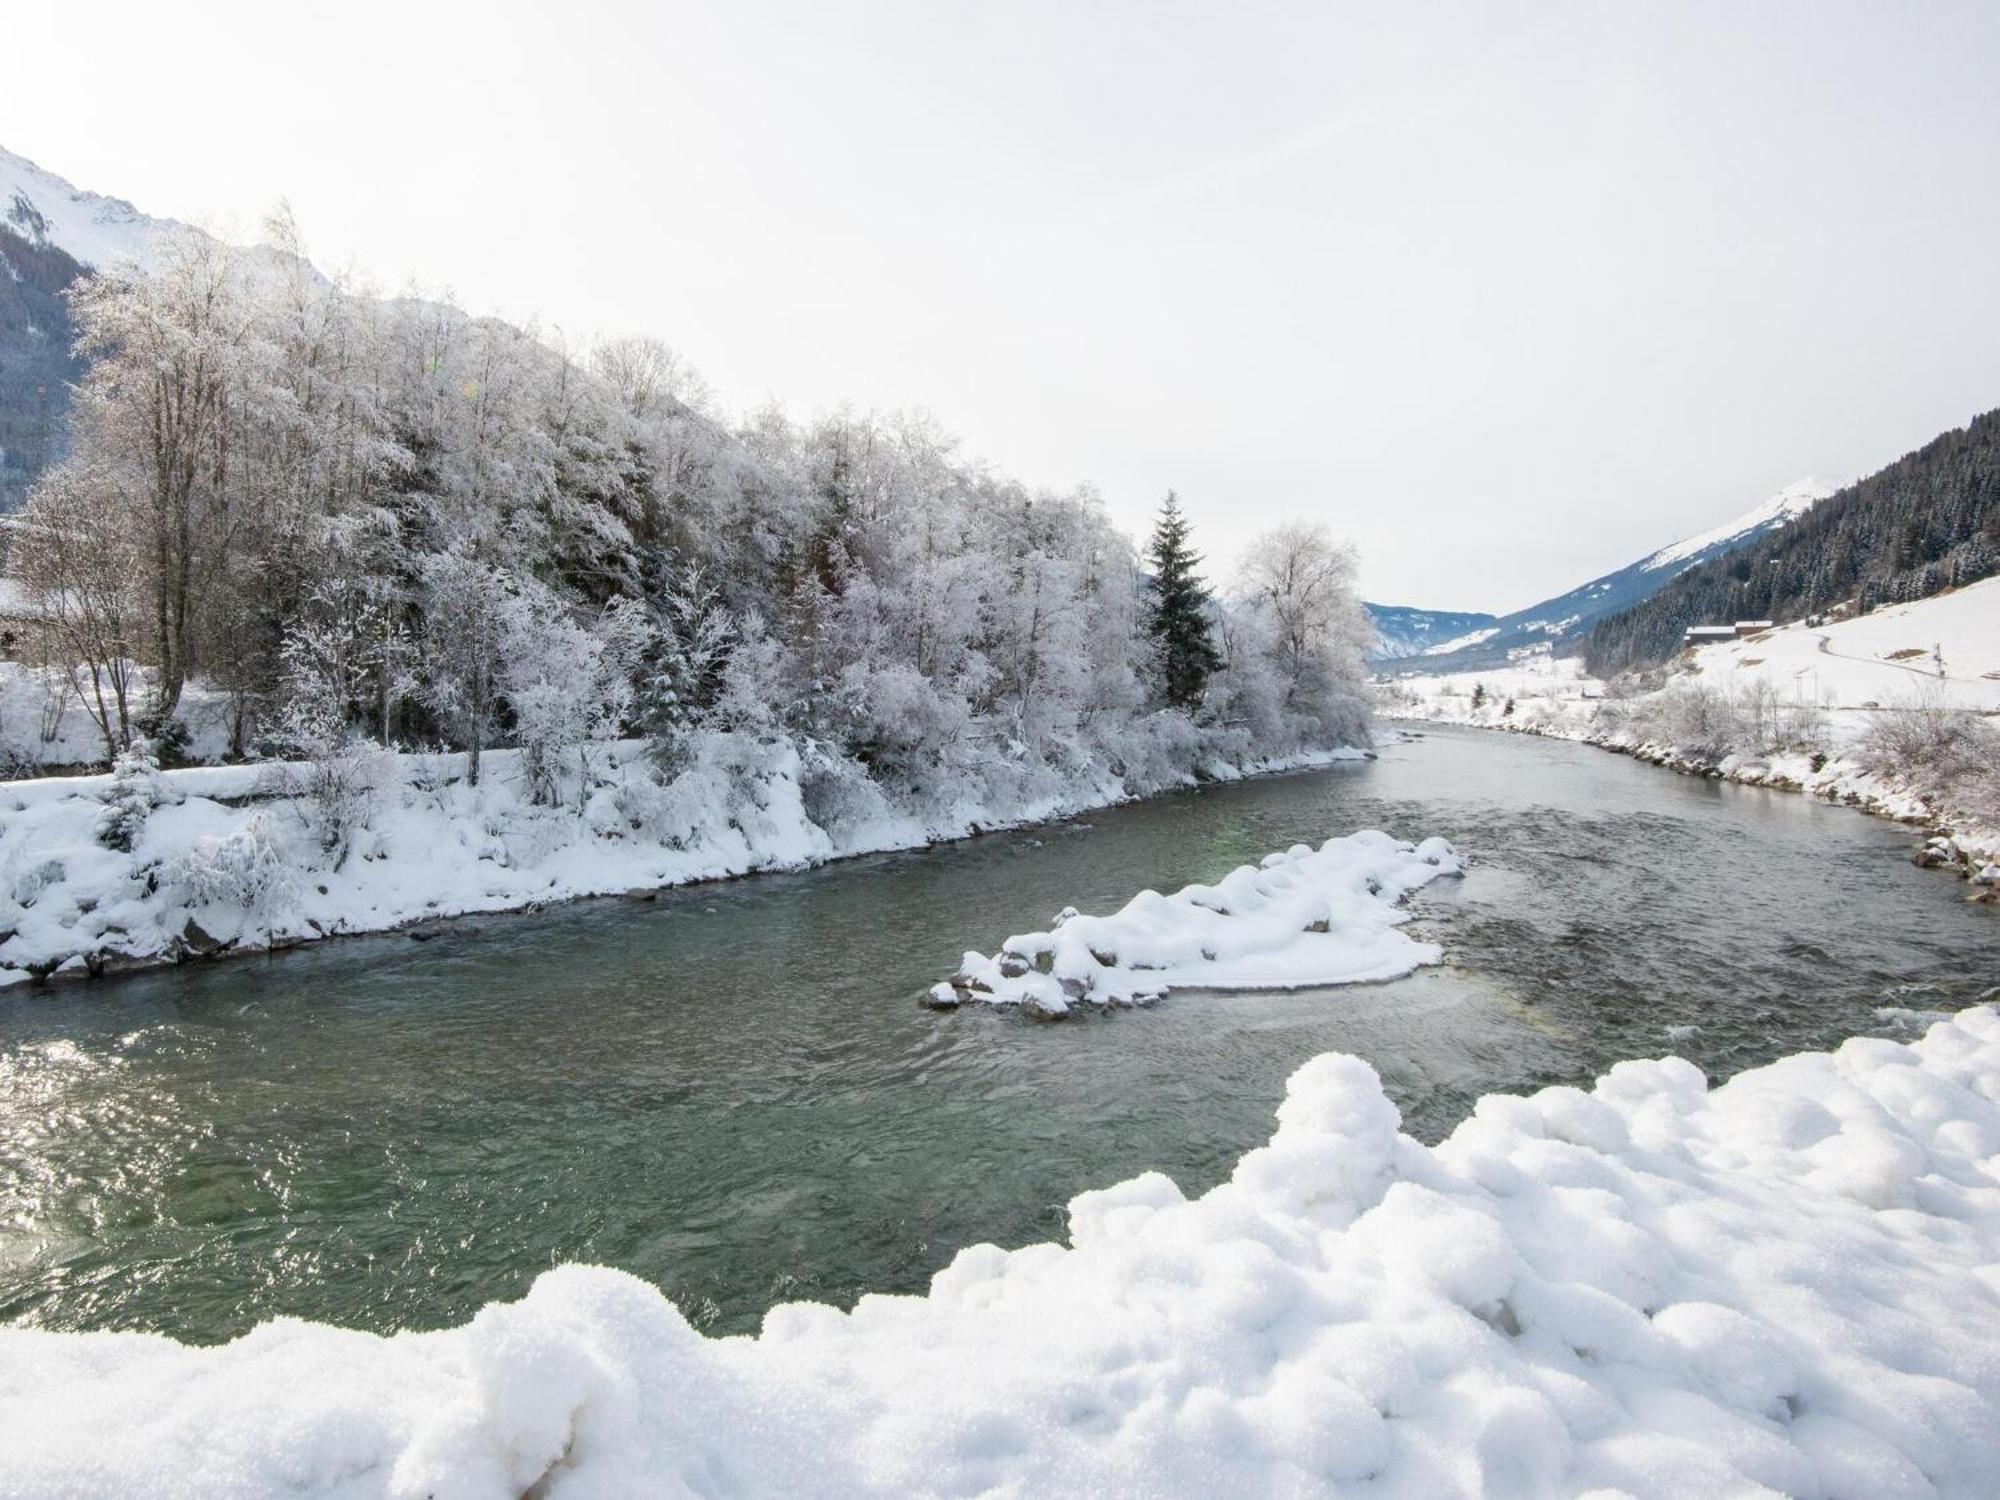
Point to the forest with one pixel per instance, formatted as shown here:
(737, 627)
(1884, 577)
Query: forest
(1928, 522)
(344, 520)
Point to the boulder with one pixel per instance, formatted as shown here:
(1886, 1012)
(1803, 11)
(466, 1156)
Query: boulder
(201, 942)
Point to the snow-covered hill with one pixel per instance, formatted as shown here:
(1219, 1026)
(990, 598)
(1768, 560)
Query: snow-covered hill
(1557, 626)
(96, 231)
(1947, 646)
(1402, 630)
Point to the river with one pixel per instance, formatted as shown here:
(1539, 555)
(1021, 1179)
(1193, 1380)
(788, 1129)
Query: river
(733, 1093)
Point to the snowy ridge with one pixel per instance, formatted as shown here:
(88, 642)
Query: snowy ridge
(97, 231)
(1301, 917)
(1787, 1284)
(1791, 502)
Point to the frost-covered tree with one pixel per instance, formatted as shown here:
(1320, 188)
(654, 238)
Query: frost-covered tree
(354, 519)
(1304, 581)
(458, 663)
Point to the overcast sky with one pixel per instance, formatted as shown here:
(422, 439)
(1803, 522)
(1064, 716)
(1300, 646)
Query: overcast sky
(1508, 295)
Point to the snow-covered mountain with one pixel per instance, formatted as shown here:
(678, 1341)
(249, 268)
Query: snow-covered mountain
(1403, 630)
(1559, 625)
(1791, 502)
(46, 210)
(51, 232)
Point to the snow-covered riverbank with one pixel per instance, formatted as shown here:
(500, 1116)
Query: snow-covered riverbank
(1818, 688)
(234, 858)
(1652, 1288)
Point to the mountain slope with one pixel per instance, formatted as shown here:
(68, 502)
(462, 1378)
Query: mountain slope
(1561, 624)
(50, 234)
(44, 209)
(37, 364)
(1402, 630)
(1928, 522)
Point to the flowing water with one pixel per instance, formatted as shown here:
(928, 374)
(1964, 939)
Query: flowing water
(734, 1094)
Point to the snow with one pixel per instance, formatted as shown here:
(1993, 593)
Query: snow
(97, 231)
(1459, 643)
(1301, 917)
(1791, 502)
(236, 850)
(1878, 658)
(1786, 1284)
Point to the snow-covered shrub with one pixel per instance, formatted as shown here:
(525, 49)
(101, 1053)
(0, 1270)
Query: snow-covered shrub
(837, 792)
(336, 788)
(675, 812)
(1697, 721)
(567, 692)
(243, 870)
(904, 723)
(1948, 755)
(1774, 722)
(1151, 754)
(136, 789)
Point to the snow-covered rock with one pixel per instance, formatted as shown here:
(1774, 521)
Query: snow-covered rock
(1301, 917)
(1786, 1285)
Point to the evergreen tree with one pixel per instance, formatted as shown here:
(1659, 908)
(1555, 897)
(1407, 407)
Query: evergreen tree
(1179, 617)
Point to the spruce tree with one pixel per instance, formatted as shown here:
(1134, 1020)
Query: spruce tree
(1179, 619)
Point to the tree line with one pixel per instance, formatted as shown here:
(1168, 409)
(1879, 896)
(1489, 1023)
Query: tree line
(353, 517)
(1929, 521)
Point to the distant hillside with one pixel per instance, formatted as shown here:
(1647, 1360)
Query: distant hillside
(50, 233)
(1562, 625)
(1929, 521)
(1403, 630)
(36, 364)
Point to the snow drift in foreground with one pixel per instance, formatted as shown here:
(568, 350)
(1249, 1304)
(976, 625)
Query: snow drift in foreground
(1790, 1283)
(1302, 917)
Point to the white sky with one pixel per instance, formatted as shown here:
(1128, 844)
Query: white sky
(1508, 294)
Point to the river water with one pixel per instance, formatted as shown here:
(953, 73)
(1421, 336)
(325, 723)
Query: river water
(734, 1094)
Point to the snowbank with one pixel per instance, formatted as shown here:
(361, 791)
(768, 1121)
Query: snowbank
(233, 858)
(1788, 1284)
(1303, 917)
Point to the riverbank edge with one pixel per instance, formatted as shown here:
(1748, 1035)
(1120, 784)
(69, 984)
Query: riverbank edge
(1971, 852)
(100, 963)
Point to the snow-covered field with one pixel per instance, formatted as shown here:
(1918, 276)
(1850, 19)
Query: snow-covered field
(1880, 657)
(1789, 1284)
(1300, 917)
(233, 857)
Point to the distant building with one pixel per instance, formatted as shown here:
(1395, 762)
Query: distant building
(1708, 635)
